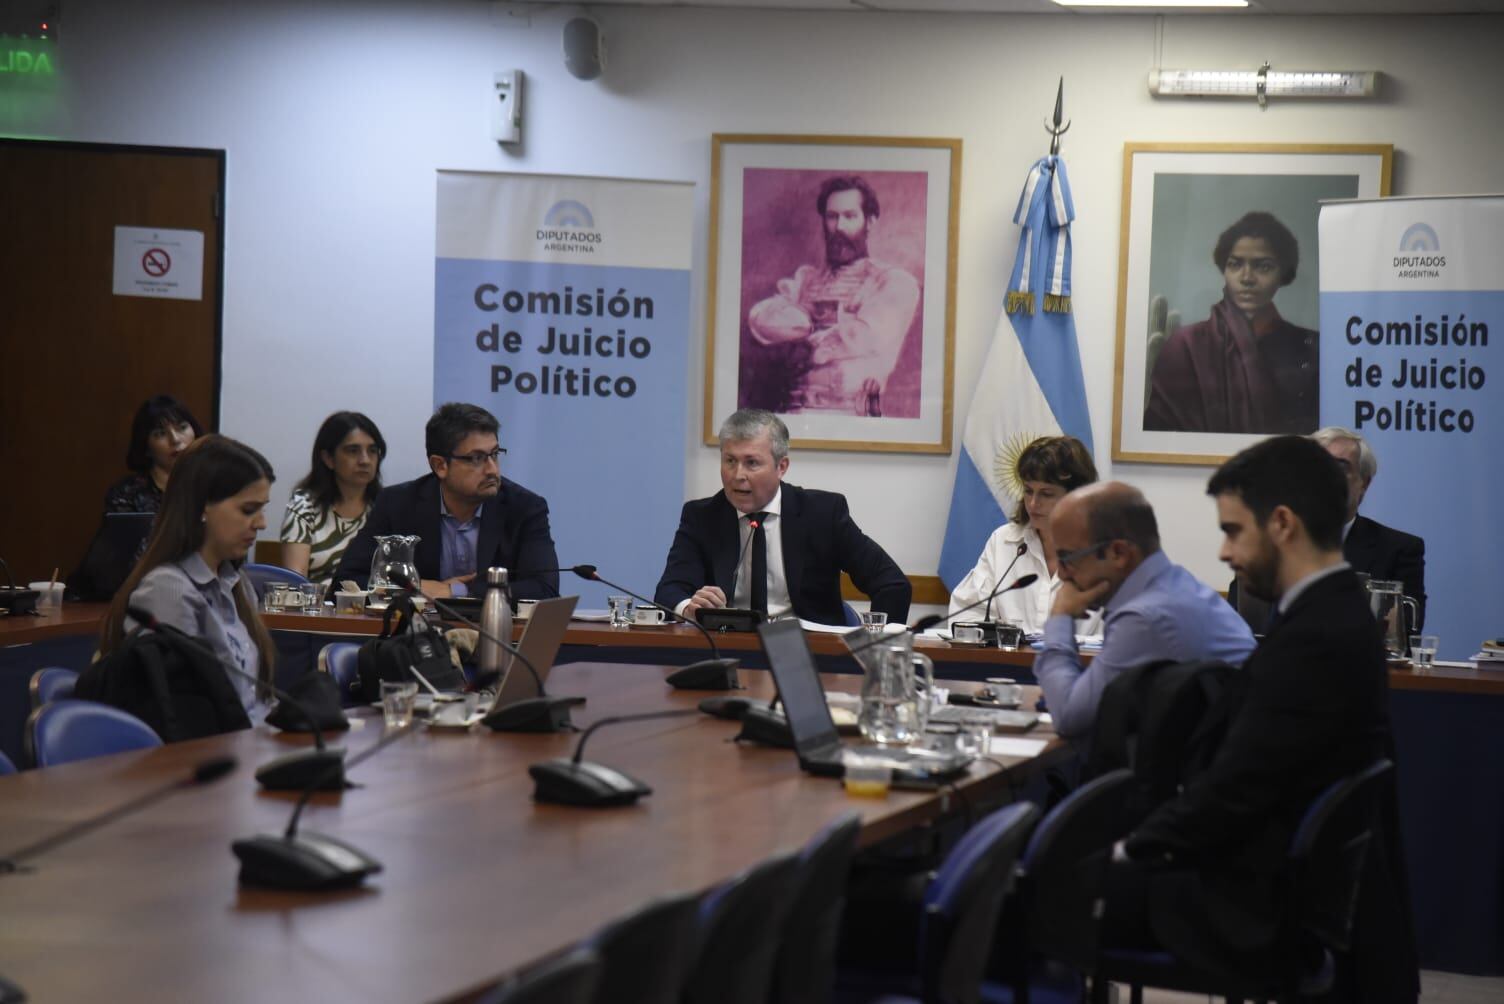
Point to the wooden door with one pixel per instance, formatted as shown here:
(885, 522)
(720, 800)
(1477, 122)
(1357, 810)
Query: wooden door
(75, 359)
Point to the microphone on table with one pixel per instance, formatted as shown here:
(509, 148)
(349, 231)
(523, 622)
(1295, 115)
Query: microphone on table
(310, 861)
(1023, 548)
(583, 782)
(715, 673)
(206, 772)
(292, 771)
(736, 569)
(544, 713)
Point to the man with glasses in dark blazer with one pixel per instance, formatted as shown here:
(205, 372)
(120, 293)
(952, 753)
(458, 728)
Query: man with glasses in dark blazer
(468, 516)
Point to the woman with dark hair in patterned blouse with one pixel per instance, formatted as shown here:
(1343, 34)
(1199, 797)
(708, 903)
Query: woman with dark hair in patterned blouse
(329, 506)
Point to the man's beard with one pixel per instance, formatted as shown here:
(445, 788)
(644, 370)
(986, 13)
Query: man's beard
(842, 250)
(1260, 577)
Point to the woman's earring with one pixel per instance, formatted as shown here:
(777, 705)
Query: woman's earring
(203, 517)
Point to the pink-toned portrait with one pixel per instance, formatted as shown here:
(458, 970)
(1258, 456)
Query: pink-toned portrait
(832, 291)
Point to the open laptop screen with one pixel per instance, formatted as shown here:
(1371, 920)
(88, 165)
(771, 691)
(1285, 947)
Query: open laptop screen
(799, 686)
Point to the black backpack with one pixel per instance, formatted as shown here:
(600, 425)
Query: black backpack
(406, 641)
(1164, 721)
(171, 685)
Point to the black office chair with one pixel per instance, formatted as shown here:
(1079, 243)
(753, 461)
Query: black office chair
(568, 979)
(1046, 934)
(645, 956)
(805, 972)
(739, 927)
(956, 919)
(1323, 873)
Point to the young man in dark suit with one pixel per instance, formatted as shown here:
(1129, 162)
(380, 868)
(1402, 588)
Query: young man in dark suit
(1370, 547)
(1200, 875)
(469, 517)
(762, 544)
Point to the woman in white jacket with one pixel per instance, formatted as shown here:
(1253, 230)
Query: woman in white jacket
(1047, 469)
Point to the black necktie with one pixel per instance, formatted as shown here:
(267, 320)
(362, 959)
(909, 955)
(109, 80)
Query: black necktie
(759, 562)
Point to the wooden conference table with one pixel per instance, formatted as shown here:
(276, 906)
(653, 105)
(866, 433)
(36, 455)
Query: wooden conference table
(479, 880)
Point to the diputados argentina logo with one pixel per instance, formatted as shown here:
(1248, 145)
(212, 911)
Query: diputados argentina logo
(1419, 254)
(569, 226)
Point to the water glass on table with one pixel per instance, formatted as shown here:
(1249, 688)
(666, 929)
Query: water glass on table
(874, 620)
(313, 598)
(1423, 651)
(398, 700)
(621, 611)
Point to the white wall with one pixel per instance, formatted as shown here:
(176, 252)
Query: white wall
(335, 117)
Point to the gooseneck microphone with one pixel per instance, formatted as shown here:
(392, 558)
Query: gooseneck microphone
(310, 861)
(583, 782)
(930, 620)
(292, 771)
(206, 772)
(736, 569)
(715, 673)
(1023, 548)
(544, 713)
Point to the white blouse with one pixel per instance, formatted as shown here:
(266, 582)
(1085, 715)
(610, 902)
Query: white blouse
(1028, 607)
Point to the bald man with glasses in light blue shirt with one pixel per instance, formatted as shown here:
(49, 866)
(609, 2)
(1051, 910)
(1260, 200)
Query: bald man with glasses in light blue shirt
(1108, 553)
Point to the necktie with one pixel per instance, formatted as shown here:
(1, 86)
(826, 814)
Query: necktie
(759, 562)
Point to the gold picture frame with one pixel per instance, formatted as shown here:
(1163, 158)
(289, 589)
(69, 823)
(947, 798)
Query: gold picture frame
(858, 359)
(1179, 200)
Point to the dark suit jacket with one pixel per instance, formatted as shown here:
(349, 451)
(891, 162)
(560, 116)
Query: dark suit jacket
(514, 535)
(1310, 707)
(1372, 548)
(820, 541)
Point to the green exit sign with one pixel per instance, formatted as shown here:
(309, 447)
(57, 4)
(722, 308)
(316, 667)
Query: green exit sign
(27, 57)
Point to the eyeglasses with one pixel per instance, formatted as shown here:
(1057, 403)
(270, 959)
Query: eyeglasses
(479, 459)
(1066, 558)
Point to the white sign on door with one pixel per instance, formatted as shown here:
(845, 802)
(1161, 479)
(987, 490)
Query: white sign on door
(160, 263)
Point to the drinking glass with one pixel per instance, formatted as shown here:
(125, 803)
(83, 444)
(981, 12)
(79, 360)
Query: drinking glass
(313, 598)
(398, 699)
(621, 611)
(1423, 651)
(874, 620)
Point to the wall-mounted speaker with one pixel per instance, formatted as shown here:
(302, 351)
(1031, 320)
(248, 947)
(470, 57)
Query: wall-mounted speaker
(584, 48)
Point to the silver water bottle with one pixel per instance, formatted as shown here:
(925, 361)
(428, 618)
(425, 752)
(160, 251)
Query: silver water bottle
(496, 621)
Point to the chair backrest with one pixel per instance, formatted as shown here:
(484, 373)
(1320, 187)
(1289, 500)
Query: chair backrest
(1328, 851)
(739, 927)
(961, 904)
(645, 956)
(6, 767)
(569, 979)
(51, 684)
(848, 612)
(68, 730)
(260, 575)
(341, 660)
(1062, 870)
(805, 971)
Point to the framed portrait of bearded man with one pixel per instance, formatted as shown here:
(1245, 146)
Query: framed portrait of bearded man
(1218, 340)
(832, 288)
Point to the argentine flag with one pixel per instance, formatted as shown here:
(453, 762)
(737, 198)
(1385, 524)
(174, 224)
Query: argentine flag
(1031, 382)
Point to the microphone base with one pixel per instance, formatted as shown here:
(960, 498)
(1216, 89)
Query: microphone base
(707, 674)
(307, 862)
(535, 714)
(766, 727)
(322, 770)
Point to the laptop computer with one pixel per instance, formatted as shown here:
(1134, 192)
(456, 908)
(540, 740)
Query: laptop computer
(540, 645)
(814, 732)
(127, 532)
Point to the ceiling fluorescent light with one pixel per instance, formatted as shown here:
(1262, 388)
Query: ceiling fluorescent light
(1263, 83)
(1151, 4)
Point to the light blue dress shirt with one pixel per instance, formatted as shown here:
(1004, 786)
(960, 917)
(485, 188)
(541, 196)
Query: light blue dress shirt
(458, 543)
(1161, 611)
(187, 595)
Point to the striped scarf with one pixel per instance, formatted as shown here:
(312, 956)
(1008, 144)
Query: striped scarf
(1045, 210)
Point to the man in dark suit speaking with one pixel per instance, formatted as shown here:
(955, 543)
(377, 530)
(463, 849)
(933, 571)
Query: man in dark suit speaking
(1201, 875)
(469, 517)
(765, 545)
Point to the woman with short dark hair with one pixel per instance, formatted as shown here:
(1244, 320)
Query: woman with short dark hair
(329, 506)
(161, 430)
(1044, 472)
